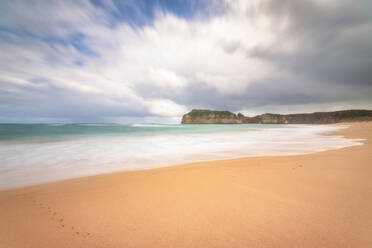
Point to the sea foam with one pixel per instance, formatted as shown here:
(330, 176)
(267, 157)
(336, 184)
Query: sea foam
(35, 160)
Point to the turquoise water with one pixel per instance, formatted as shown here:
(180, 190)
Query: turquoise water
(37, 153)
(62, 131)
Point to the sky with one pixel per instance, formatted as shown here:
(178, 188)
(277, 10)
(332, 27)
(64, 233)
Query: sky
(131, 61)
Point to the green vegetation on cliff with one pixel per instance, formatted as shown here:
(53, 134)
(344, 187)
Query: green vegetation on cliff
(203, 112)
(204, 116)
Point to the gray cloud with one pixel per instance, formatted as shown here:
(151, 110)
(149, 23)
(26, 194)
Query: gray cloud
(275, 56)
(334, 41)
(63, 105)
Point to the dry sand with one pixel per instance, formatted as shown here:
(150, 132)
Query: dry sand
(317, 200)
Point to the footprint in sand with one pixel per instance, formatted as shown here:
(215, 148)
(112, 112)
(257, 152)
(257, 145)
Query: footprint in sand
(62, 224)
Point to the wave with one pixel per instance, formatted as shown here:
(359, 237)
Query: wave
(156, 125)
(25, 163)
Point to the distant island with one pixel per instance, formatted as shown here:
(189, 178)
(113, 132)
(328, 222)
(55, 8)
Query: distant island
(204, 116)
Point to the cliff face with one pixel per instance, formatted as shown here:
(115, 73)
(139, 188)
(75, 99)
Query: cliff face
(201, 116)
(197, 116)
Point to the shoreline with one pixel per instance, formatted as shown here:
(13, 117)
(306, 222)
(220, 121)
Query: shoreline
(307, 200)
(198, 161)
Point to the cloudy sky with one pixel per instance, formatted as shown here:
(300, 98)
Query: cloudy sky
(152, 61)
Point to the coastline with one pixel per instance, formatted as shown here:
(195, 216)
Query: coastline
(321, 199)
(26, 164)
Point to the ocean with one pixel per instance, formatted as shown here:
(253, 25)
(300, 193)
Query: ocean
(39, 153)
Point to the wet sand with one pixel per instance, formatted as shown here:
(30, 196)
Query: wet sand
(317, 200)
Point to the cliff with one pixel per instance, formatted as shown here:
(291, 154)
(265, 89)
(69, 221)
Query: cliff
(199, 116)
(203, 116)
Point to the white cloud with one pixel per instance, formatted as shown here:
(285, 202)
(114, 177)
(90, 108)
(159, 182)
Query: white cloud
(169, 56)
(165, 107)
(165, 78)
(171, 53)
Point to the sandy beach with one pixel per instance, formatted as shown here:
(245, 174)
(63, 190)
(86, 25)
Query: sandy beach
(317, 200)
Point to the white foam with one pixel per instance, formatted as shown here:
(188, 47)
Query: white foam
(31, 163)
(155, 125)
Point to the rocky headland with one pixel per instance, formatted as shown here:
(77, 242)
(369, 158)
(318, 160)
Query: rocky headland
(204, 116)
